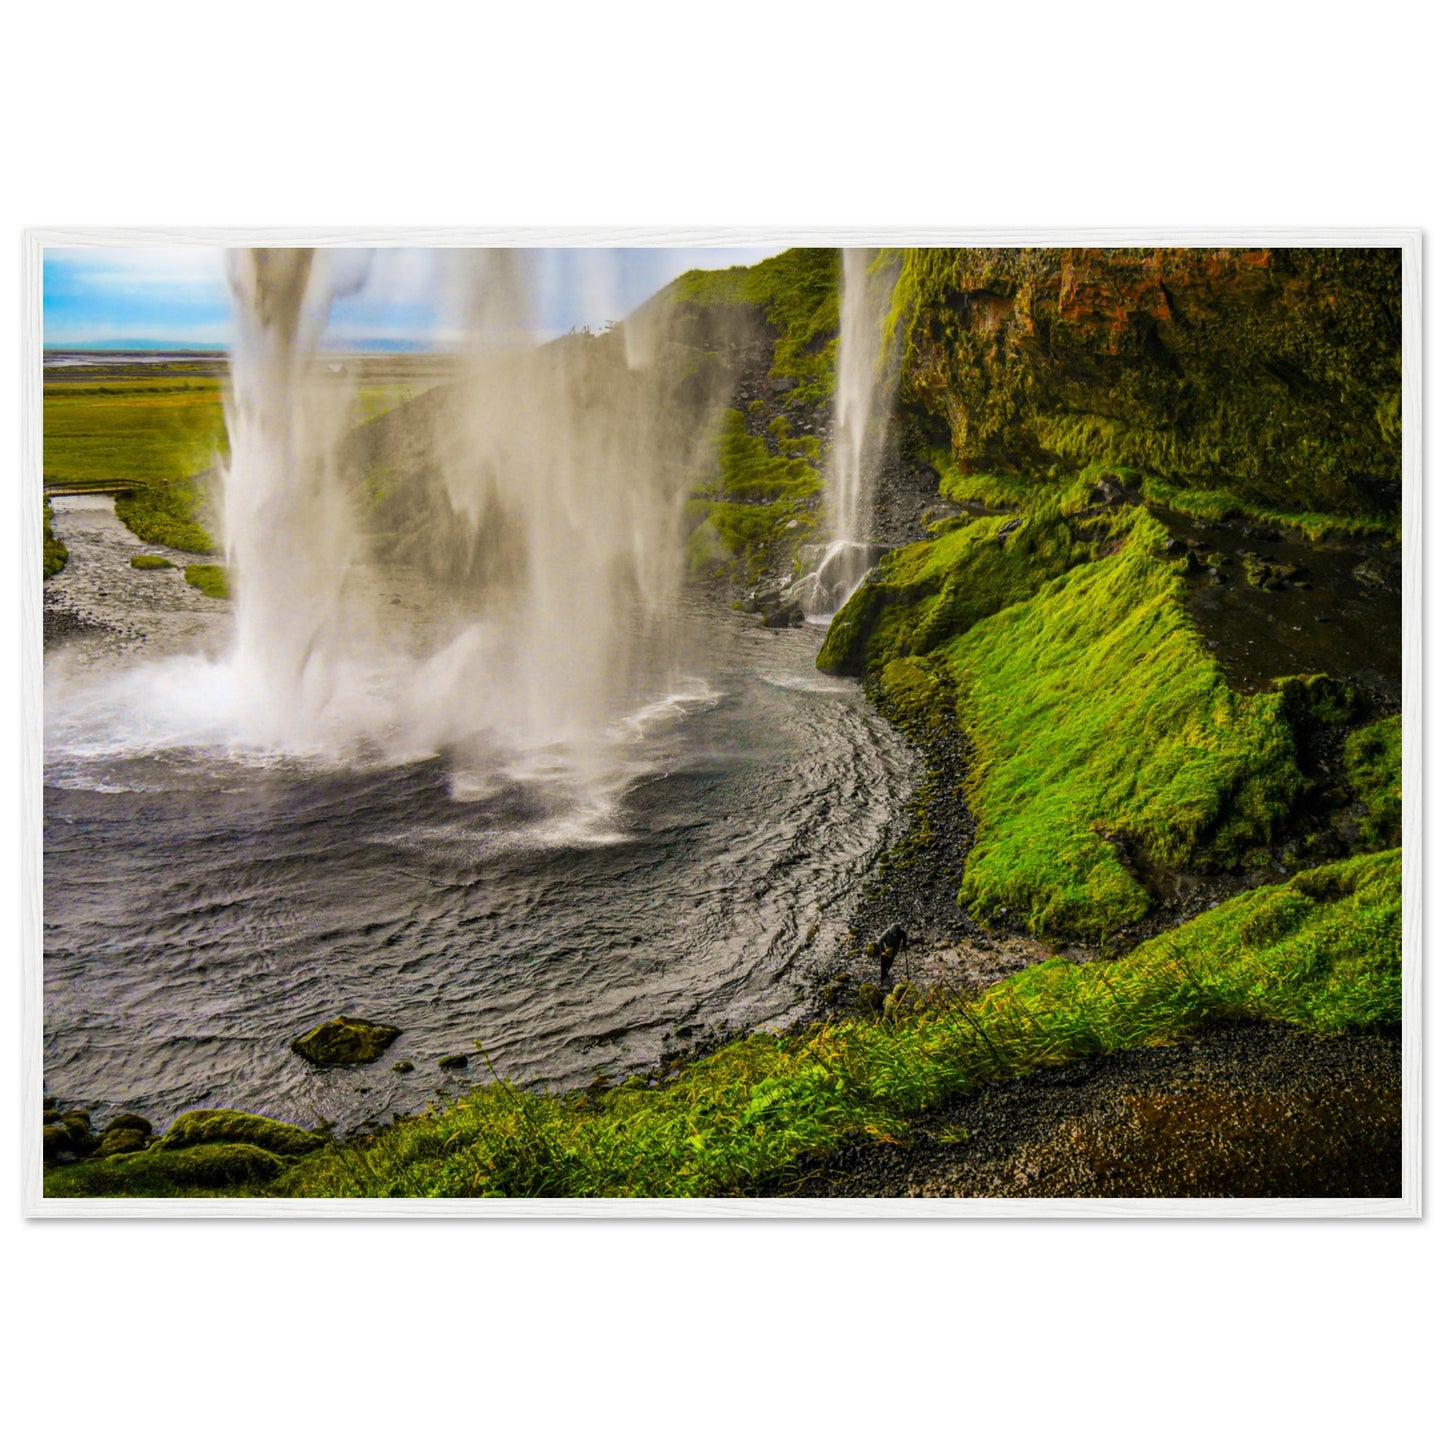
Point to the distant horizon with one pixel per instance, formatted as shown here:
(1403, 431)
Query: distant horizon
(401, 301)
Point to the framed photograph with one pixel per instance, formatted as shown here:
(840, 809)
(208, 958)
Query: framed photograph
(885, 723)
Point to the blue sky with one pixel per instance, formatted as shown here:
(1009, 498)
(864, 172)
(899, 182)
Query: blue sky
(177, 296)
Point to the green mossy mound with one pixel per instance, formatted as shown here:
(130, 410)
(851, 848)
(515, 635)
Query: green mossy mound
(1106, 744)
(209, 578)
(130, 1121)
(121, 1141)
(230, 1126)
(207, 1169)
(149, 562)
(345, 1041)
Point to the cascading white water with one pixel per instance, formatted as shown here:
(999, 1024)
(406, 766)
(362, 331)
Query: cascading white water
(289, 531)
(862, 396)
(551, 480)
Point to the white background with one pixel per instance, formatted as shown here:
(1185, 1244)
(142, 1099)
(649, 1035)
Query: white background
(738, 114)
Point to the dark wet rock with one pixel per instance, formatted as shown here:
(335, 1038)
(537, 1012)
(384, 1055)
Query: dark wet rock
(1012, 525)
(50, 1102)
(452, 1061)
(786, 614)
(403, 1066)
(207, 1126)
(345, 1041)
(1378, 574)
(130, 1121)
(121, 1141)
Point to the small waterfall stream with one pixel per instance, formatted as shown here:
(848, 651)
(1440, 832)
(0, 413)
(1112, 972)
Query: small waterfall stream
(862, 398)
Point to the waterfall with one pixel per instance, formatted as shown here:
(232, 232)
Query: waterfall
(289, 532)
(862, 397)
(542, 496)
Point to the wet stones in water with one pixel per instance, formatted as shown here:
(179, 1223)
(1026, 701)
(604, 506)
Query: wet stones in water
(403, 1066)
(453, 1061)
(785, 614)
(121, 1141)
(231, 1126)
(345, 1041)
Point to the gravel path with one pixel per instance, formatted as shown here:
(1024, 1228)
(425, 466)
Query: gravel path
(1249, 1111)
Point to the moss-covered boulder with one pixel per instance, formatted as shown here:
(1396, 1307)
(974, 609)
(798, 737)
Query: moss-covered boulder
(55, 1141)
(231, 1126)
(212, 1165)
(130, 1121)
(121, 1141)
(345, 1041)
(150, 562)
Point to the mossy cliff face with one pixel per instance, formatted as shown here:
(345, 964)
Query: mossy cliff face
(1274, 374)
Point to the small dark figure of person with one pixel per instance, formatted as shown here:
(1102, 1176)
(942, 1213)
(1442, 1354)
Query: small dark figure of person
(890, 943)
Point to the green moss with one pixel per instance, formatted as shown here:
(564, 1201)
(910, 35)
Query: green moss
(1271, 375)
(207, 1126)
(346, 1041)
(54, 552)
(1104, 731)
(757, 502)
(1373, 762)
(149, 562)
(209, 578)
(1220, 504)
(797, 292)
(167, 515)
(208, 1169)
(930, 591)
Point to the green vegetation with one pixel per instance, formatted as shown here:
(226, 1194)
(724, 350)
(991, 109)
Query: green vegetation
(1106, 743)
(207, 1169)
(149, 562)
(1272, 375)
(136, 431)
(54, 552)
(1219, 505)
(756, 498)
(797, 291)
(231, 1126)
(209, 578)
(931, 591)
(1373, 761)
(1104, 729)
(1321, 951)
(167, 516)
